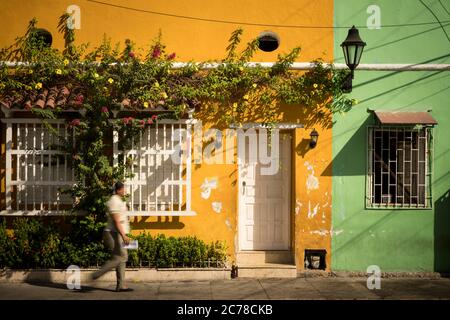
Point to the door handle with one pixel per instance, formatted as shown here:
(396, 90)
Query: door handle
(243, 187)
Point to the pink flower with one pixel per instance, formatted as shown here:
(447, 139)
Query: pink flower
(131, 54)
(142, 123)
(171, 56)
(75, 122)
(161, 102)
(149, 121)
(127, 120)
(156, 52)
(79, 99)
(105, 110)
(154, 117)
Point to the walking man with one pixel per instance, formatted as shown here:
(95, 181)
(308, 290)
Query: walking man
(115, 236)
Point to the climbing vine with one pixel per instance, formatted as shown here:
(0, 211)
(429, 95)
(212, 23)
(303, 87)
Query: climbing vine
(107, 80)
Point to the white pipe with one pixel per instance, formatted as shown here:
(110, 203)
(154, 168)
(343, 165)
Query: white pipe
(305, 66)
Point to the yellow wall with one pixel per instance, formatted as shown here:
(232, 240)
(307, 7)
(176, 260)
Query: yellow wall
(194, 39)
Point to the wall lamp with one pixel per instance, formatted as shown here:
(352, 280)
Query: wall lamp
(353, 48)
(314, 137)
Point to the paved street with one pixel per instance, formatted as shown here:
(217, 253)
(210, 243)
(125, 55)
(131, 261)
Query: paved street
(298, 288)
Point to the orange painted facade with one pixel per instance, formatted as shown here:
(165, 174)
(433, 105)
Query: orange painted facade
(197, 32)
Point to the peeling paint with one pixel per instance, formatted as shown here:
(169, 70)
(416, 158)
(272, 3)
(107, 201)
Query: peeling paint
(312, 182)
(217, 206)
(322, 232)
(298, 206)
(207, 186)
(312, 214)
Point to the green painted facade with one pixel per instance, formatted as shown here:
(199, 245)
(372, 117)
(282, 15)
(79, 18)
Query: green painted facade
(396, 239)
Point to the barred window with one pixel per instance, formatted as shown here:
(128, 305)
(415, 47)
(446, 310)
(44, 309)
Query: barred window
(399, 169)
(159, 186)
(37, 169)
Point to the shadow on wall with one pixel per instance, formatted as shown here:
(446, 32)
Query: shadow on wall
(442, 233)
(351, 159)
(164, 223)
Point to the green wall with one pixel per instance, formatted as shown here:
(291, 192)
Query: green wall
(395, 240)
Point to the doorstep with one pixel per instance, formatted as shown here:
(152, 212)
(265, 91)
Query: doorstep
(267, 270)
(132, 275)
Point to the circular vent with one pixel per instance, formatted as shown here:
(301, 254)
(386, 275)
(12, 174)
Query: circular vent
(44, 35)
(268, 41)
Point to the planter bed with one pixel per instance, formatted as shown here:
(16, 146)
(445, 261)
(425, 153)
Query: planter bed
(132, 274)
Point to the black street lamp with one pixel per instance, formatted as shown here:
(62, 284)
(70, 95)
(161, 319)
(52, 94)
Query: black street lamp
(353, 48)
(314, 137)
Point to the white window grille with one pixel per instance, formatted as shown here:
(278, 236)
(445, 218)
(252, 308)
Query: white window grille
(399, 167)
(37, 167)
(160, 186)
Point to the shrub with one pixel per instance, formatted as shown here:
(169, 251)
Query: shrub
(35, 244)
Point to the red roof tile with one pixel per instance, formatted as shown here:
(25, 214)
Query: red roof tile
(60, 96)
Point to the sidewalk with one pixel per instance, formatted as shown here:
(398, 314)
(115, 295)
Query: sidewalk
(298, 288)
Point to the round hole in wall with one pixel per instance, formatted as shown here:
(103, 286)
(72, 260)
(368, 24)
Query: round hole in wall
(44, 35)
(268, 41)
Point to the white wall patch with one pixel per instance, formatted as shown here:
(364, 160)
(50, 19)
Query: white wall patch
(217, 206)
(207, 186)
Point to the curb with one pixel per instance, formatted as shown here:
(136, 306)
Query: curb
(132, 275)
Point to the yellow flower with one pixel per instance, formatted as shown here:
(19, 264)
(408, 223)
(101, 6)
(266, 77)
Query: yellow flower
(30, 71)
(164, 95)
(169, 72)
(105, 88)
(156, 84)
(246, 97)
(235, 105)
(58, 71)
(315, 85)
(241, 68)
(66, 62)
(96, 76)
(38, 85)
(111, 80)
(254, 85)
(145, 104)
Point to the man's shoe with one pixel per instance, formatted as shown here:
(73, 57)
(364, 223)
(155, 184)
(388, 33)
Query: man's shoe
(124, 289)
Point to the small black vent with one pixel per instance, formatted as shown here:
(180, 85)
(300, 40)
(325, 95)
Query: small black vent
(44, 35)
(315, 259)
(268, 41)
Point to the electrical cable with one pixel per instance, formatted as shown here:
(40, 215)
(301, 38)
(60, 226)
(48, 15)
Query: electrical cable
(256, 24)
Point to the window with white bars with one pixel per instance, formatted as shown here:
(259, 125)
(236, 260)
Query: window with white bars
(160, 186)
(37, 169)
(399, 167)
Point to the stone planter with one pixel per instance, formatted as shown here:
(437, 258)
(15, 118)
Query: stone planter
(132, 275)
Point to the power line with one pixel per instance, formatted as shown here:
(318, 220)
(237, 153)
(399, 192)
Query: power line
(254, 24)
(434, 15)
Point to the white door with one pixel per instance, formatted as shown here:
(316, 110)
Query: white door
(264, 202)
